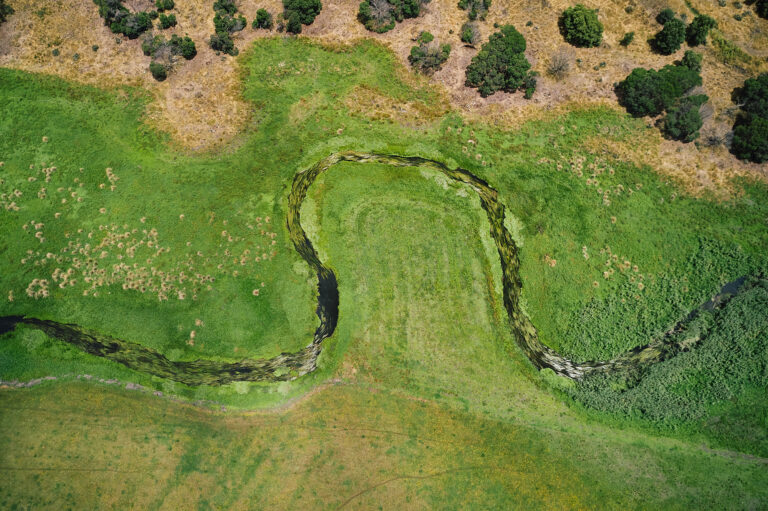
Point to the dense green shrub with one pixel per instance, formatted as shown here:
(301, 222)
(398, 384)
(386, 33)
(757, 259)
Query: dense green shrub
(428, 56)
(750, 133)
(381, 15)
(761, 8)
(478, 9)
(650, 92)
(227, 6)
(293, 23)
(669, 39)
(5, 11)
(529, 84)
(750, 140)
(665, 15)
(306, 11)
(580, 26)
(470, 33)
(683, 120)
(167, 21)
(692, 60)
(697, 31)
(263, 19)
(627, 39)
(223, 42)
(164, 5)
(159, 72)
(500, 64)
(753, 96)
(121, 21)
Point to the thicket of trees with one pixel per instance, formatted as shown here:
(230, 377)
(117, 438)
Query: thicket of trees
(650, 92)
(300, 12)
(381, 15)
(225, 23)
(5, 11)
(429, 55)
(121, 21)
(750, 132)
(580, 27)
(500, 65)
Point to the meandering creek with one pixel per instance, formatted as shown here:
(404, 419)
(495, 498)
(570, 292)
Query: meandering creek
(289, 366)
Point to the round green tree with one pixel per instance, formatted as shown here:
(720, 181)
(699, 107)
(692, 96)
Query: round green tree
(670, 38)
(750, 140)
(580, 27)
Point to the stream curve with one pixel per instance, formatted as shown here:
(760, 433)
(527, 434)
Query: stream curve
(289, 366)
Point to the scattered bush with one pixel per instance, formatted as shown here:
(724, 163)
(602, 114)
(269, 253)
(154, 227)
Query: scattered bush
(167, 21)
(664, 16)
(692, 61)
(5, 11)
(500, 64)
(580, 27)
(650, 92)
(157, 46)
(470, 33)
(627, 39)
(478, 9)
(164, 5)
(560, 64)
(670, 38)
(381, 15)
(697, 31)
(306, 11)
(428, 56)
(55, 52)
(159, 72)
(529, 84)
(683, 120)
(263, 20)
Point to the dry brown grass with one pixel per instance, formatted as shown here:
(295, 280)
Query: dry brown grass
(201, 107)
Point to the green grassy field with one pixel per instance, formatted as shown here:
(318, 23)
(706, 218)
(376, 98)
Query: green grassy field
(189, 255)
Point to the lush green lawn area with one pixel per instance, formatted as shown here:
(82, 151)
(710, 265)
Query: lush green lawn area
(612, 256)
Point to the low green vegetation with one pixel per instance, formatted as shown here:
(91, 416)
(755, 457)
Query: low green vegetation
(750, 131)
(167, 21)
(189, 255)
(429, 55)
(500, 65)
(580, 27)
(381, 15)
(164, 5)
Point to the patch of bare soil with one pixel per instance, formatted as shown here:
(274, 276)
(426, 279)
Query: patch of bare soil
(201, 107)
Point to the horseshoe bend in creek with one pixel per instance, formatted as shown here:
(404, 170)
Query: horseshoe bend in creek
(289, 366)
